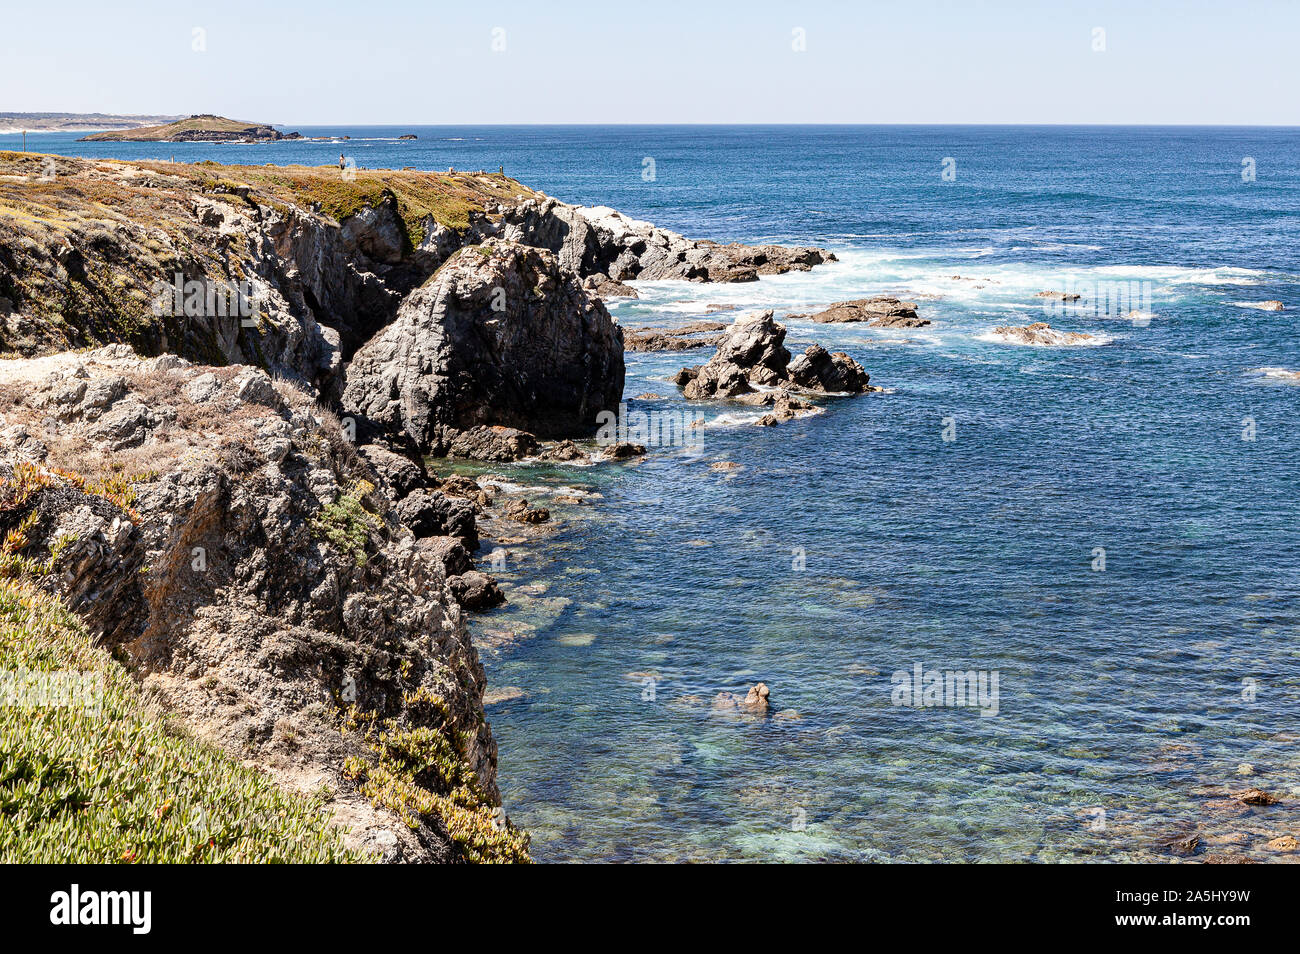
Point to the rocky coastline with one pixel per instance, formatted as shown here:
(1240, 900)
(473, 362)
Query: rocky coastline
(220, 385)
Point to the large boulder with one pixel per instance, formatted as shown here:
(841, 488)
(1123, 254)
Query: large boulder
(820, 370)
(502, 335)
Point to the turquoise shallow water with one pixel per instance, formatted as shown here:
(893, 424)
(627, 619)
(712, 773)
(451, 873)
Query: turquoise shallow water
(1143, 691)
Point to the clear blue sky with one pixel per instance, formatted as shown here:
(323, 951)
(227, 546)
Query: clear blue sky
(659, 61)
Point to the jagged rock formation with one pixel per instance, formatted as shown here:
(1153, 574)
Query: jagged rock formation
(216, 530)
(753, 353)
(596, 240)
(291, 270)
(501, 336)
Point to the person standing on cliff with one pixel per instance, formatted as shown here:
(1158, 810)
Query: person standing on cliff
(341, 162)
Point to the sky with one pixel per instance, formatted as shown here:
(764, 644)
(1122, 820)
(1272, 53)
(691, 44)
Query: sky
(658, 61)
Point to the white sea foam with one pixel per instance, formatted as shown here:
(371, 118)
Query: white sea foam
(1258, 305)
(1285, 375)
(996, 337)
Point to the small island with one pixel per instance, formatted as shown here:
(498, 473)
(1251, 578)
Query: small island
(204, 127)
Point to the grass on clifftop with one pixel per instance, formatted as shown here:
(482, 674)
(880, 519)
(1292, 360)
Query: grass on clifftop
(447, 198)
(83, 242)
(123, 784)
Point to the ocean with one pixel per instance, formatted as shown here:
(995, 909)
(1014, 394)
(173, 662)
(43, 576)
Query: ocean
(1106, 533)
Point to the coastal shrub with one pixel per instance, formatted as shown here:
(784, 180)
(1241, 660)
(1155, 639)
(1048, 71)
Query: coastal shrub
(421, 771)
(346, 523)
(89, 773)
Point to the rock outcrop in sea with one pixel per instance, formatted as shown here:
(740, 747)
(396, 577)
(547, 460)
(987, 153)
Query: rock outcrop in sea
(879, 312)
(753, 366)
(596, 240)
(1041, 334)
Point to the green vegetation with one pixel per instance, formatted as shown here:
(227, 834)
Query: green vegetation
(422, 772)
(104, 779)
(346, 523)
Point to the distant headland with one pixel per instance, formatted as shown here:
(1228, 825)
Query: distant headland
(204, 127)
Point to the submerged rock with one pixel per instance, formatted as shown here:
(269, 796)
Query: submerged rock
(1255, 796)
(1058, 296)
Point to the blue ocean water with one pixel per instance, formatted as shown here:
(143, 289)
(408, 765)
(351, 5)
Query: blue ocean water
(858, 543)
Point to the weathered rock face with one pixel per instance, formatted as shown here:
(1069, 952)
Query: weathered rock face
(878, 312)
(502, 335)
(596, 240)
(234, 547)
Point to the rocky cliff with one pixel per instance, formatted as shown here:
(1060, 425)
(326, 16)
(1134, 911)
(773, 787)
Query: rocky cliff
(287, 583)
(217, 532)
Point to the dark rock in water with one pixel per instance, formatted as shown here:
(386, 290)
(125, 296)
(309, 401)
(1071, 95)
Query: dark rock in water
(1058, 296)
(501, 335)
(398, 473)
(623, 451)
(674, 339)
(1255, 796)
(785, 406)
(755, 701)
(879, 312)
(752, 352)
(475, 590)
(602, 286)
(519, 511)
(563, 451)
(819, 370)
(431, 513)
(755, 343)
(494, 443)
